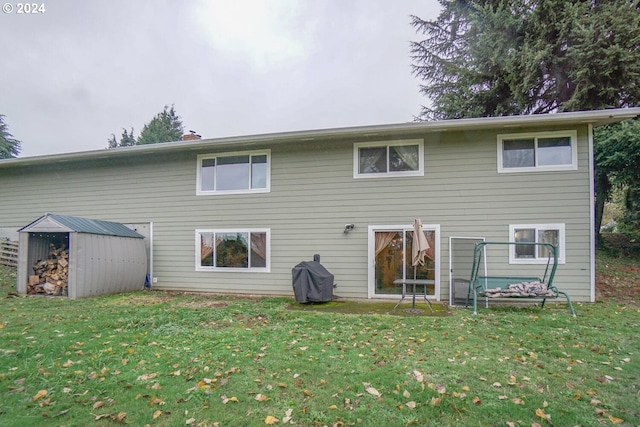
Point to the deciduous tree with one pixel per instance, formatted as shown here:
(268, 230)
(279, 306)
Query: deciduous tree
(617, 158)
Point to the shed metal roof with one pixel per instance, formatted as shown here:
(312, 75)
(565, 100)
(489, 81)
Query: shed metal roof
(54, 223)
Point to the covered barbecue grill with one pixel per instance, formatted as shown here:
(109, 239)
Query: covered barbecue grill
(312, 282)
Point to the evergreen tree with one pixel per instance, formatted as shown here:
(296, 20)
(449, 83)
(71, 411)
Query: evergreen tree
(9, 146)
(503, 57)
(483, 58)
(166, 126)
(126, 140)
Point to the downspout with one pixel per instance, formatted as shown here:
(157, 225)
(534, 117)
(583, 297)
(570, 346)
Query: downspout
(592, 220)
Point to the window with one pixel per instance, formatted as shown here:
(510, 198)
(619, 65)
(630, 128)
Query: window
(535, 233)
(233, 173)
(232, 250)
(537, 152)
(387, 159)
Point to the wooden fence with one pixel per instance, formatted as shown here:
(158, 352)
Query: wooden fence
(8, 253)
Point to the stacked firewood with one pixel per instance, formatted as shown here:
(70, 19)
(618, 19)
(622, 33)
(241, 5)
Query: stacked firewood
(51, 275)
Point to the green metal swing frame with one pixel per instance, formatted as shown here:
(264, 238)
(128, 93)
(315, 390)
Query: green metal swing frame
(478, 283)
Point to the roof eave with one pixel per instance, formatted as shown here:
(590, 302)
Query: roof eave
(595, 118)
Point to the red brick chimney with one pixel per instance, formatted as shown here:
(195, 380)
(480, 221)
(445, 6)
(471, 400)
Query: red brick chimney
(191, 136)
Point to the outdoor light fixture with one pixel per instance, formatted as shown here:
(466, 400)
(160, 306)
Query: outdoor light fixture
(348, 228)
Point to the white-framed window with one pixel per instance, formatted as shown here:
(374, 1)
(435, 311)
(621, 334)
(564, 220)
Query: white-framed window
(535, 233)
(388, 158)
(233, 250)
(541, 151)
(233, 173)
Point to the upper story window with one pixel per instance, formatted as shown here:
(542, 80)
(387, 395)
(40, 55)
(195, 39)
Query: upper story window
(388, 158)
(535, 233)
(542, 151)
(231, 173)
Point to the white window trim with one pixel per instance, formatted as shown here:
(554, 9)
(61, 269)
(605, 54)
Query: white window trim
(561, 243)
(572, 134)
(198, 253)
(371, 249)
(356, 158)
(201, 157)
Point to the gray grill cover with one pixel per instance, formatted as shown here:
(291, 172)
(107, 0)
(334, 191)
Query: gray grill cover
(312, 282)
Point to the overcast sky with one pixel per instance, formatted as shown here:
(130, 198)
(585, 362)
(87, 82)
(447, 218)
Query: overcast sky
(82, 70)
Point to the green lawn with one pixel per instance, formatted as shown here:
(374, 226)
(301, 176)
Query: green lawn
(158, 359)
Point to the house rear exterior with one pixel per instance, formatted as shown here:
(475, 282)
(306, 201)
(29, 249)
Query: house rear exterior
(234, 215)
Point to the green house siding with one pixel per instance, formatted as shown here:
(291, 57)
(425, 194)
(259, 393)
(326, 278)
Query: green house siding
(313, 194)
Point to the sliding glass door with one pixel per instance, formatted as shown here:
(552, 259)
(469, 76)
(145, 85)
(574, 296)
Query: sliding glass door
(390, 259)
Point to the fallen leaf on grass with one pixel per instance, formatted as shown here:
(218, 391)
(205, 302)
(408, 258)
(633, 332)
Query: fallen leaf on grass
(147, 376)
(372, 391)
(541, 414)
(418, 376)
(226, 399)
(260, 397)
(271, 420)
(61, 413)
(39, 395)
(477, 400)
(615, 420)
(117, 417)
(156, 414)
(517, 401)
(98, 404)
(45, 402)
(156, 401)
(411, 405)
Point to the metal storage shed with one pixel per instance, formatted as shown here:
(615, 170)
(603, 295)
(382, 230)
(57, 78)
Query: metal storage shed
(104, 257)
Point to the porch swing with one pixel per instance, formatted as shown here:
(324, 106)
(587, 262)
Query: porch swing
(527, 287)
